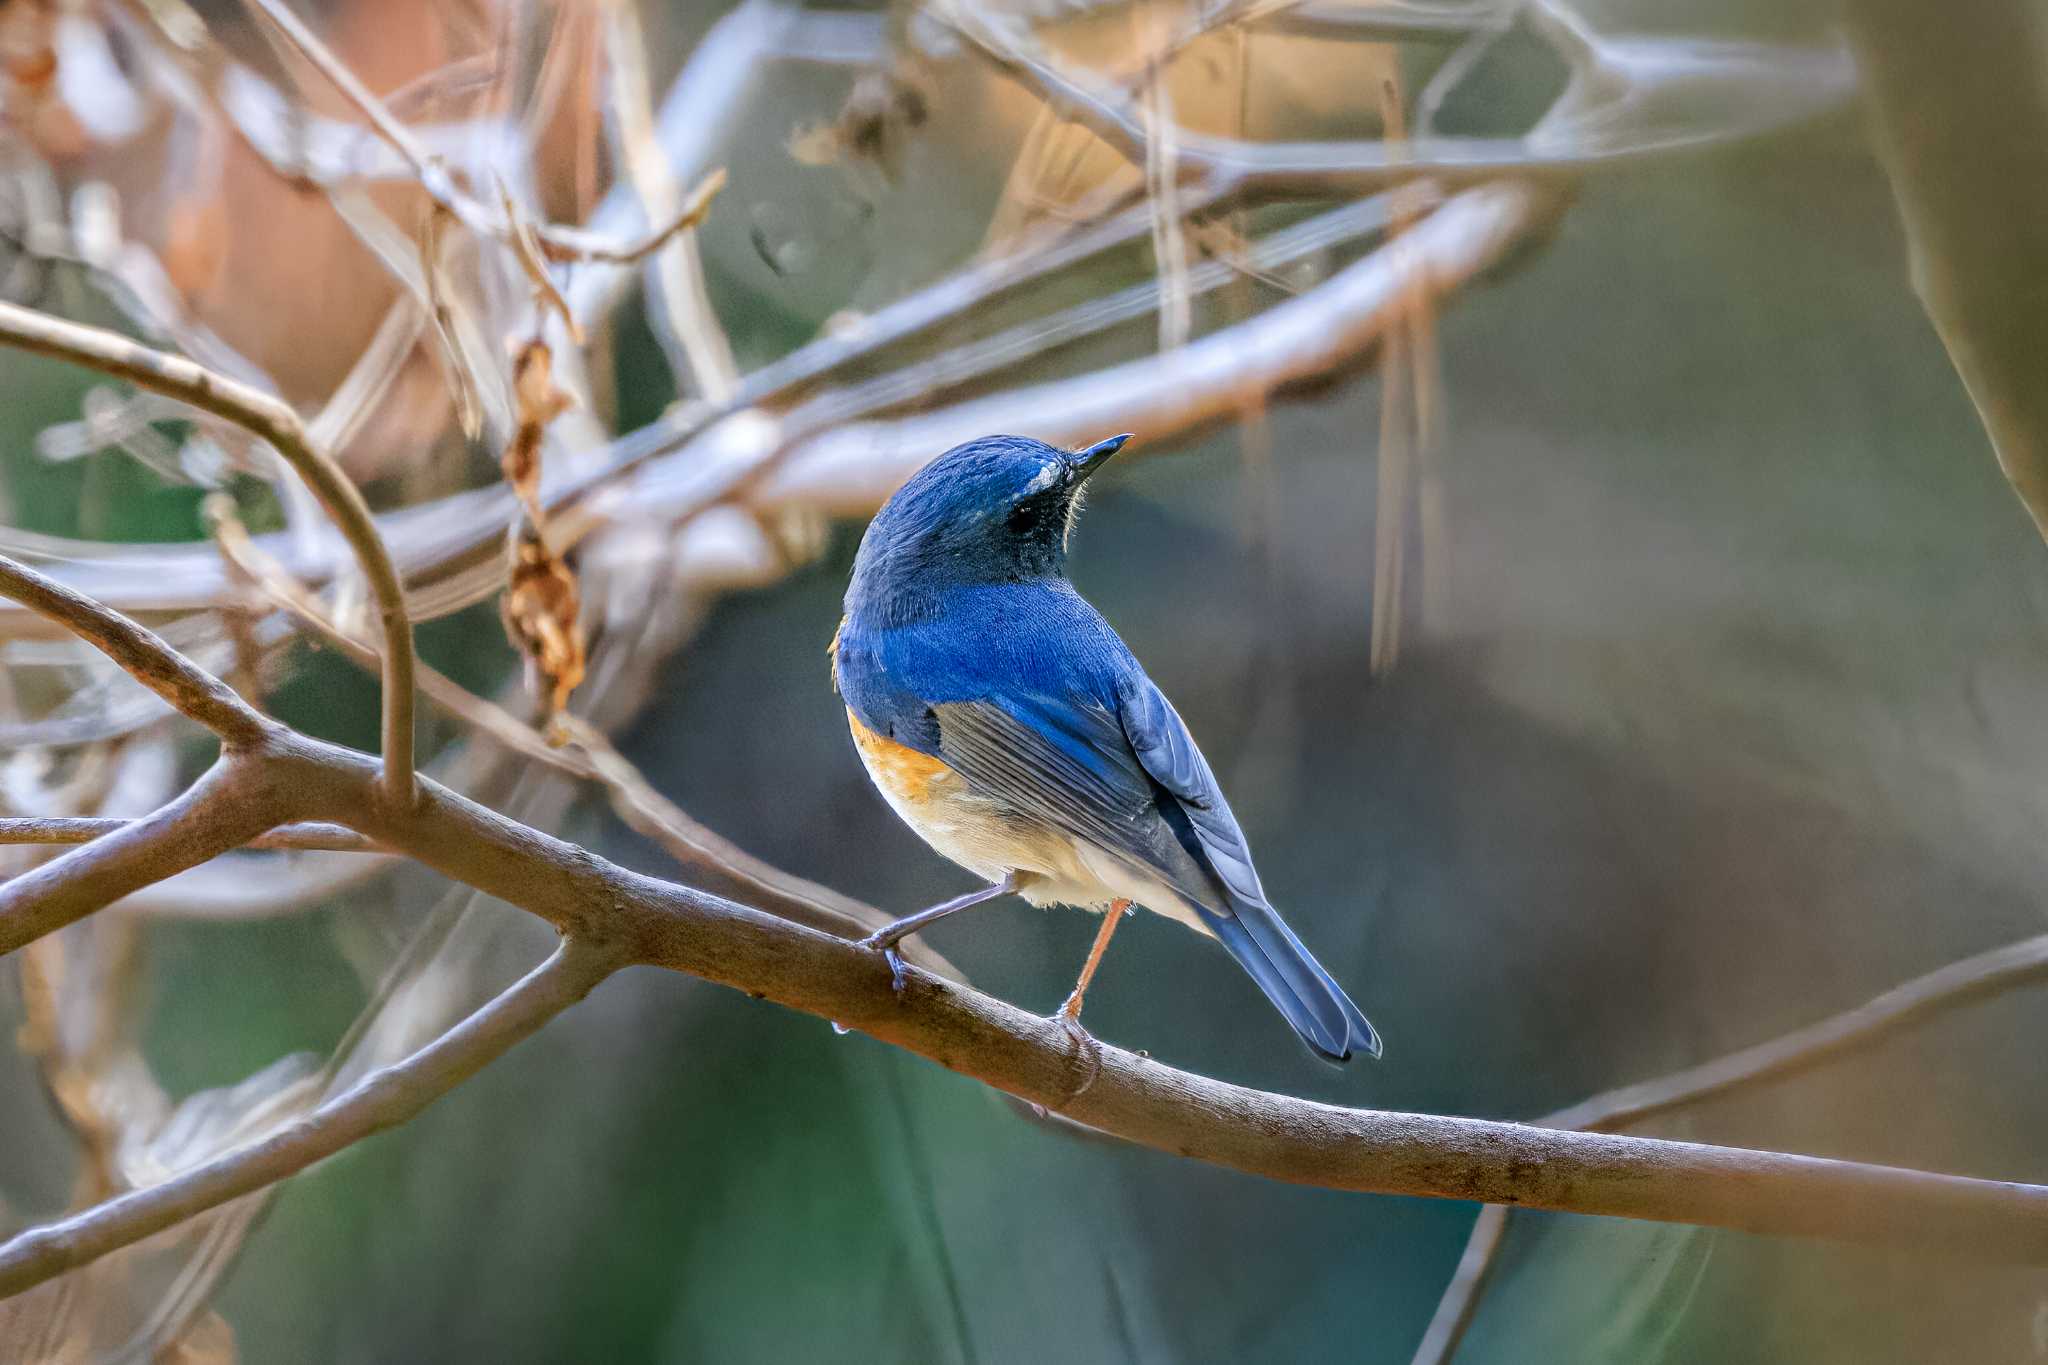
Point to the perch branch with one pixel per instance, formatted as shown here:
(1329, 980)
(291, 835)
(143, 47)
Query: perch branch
(1143, 1101)
(274, 420)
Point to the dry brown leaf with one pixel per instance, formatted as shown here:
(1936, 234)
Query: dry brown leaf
(540, 402)
(540, 609)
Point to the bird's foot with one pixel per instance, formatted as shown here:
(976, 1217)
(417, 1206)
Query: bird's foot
(1068, 1016)
(1087, 1049)
(884, 943)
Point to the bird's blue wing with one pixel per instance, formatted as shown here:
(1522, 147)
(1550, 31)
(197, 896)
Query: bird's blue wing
(1063, 764)
(1244, 920)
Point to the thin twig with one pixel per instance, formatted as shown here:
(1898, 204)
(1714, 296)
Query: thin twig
(1162, 181)
(56, 830)
(1853, 1030)
(383, 1099)
(274, 420)
(556, 242)
(685, 319)
(226, 808)
(143, 655)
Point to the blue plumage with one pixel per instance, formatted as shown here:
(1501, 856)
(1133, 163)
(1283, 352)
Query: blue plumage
(1058, 758)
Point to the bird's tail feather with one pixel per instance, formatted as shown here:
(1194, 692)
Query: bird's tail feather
(1293, 980)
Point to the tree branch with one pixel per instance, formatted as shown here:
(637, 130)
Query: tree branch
(226, 808)
(86, 829)
(383, 1099)
(1140, 1100)
(1609, 100)
(680, 306)
(142, 654)
(559, 243)
(274, 420)
(1902, 1007)
(678, 466)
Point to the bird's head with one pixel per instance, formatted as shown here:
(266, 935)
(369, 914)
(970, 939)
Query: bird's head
(994, 510)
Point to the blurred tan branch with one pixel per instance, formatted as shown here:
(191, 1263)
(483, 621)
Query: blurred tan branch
(685, 320)
(432, 173)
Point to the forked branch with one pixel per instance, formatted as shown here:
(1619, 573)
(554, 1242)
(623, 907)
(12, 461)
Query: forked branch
(272, 419)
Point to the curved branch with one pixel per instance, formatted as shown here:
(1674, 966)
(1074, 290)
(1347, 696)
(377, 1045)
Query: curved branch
(851, 468)
(142, 654)
(680, 465)
(274, 420)
(383, 1099)
(1757, 89)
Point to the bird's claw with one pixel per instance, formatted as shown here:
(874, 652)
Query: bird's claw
(1069, 1018)
(898, 978)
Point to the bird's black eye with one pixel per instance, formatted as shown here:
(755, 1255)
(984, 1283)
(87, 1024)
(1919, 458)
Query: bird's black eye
(1025, 516)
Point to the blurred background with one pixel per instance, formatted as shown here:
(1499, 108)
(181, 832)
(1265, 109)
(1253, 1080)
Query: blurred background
(1613, 630)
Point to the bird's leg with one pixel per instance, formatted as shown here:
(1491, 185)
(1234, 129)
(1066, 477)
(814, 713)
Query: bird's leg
(1070, 1012)
(895, 931)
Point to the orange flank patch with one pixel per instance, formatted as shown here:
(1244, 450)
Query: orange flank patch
(902, 772)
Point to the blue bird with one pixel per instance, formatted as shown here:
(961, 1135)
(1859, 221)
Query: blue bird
(1006, 723)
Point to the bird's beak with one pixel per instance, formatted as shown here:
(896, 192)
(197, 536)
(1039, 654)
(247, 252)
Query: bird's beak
(1086, 462)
